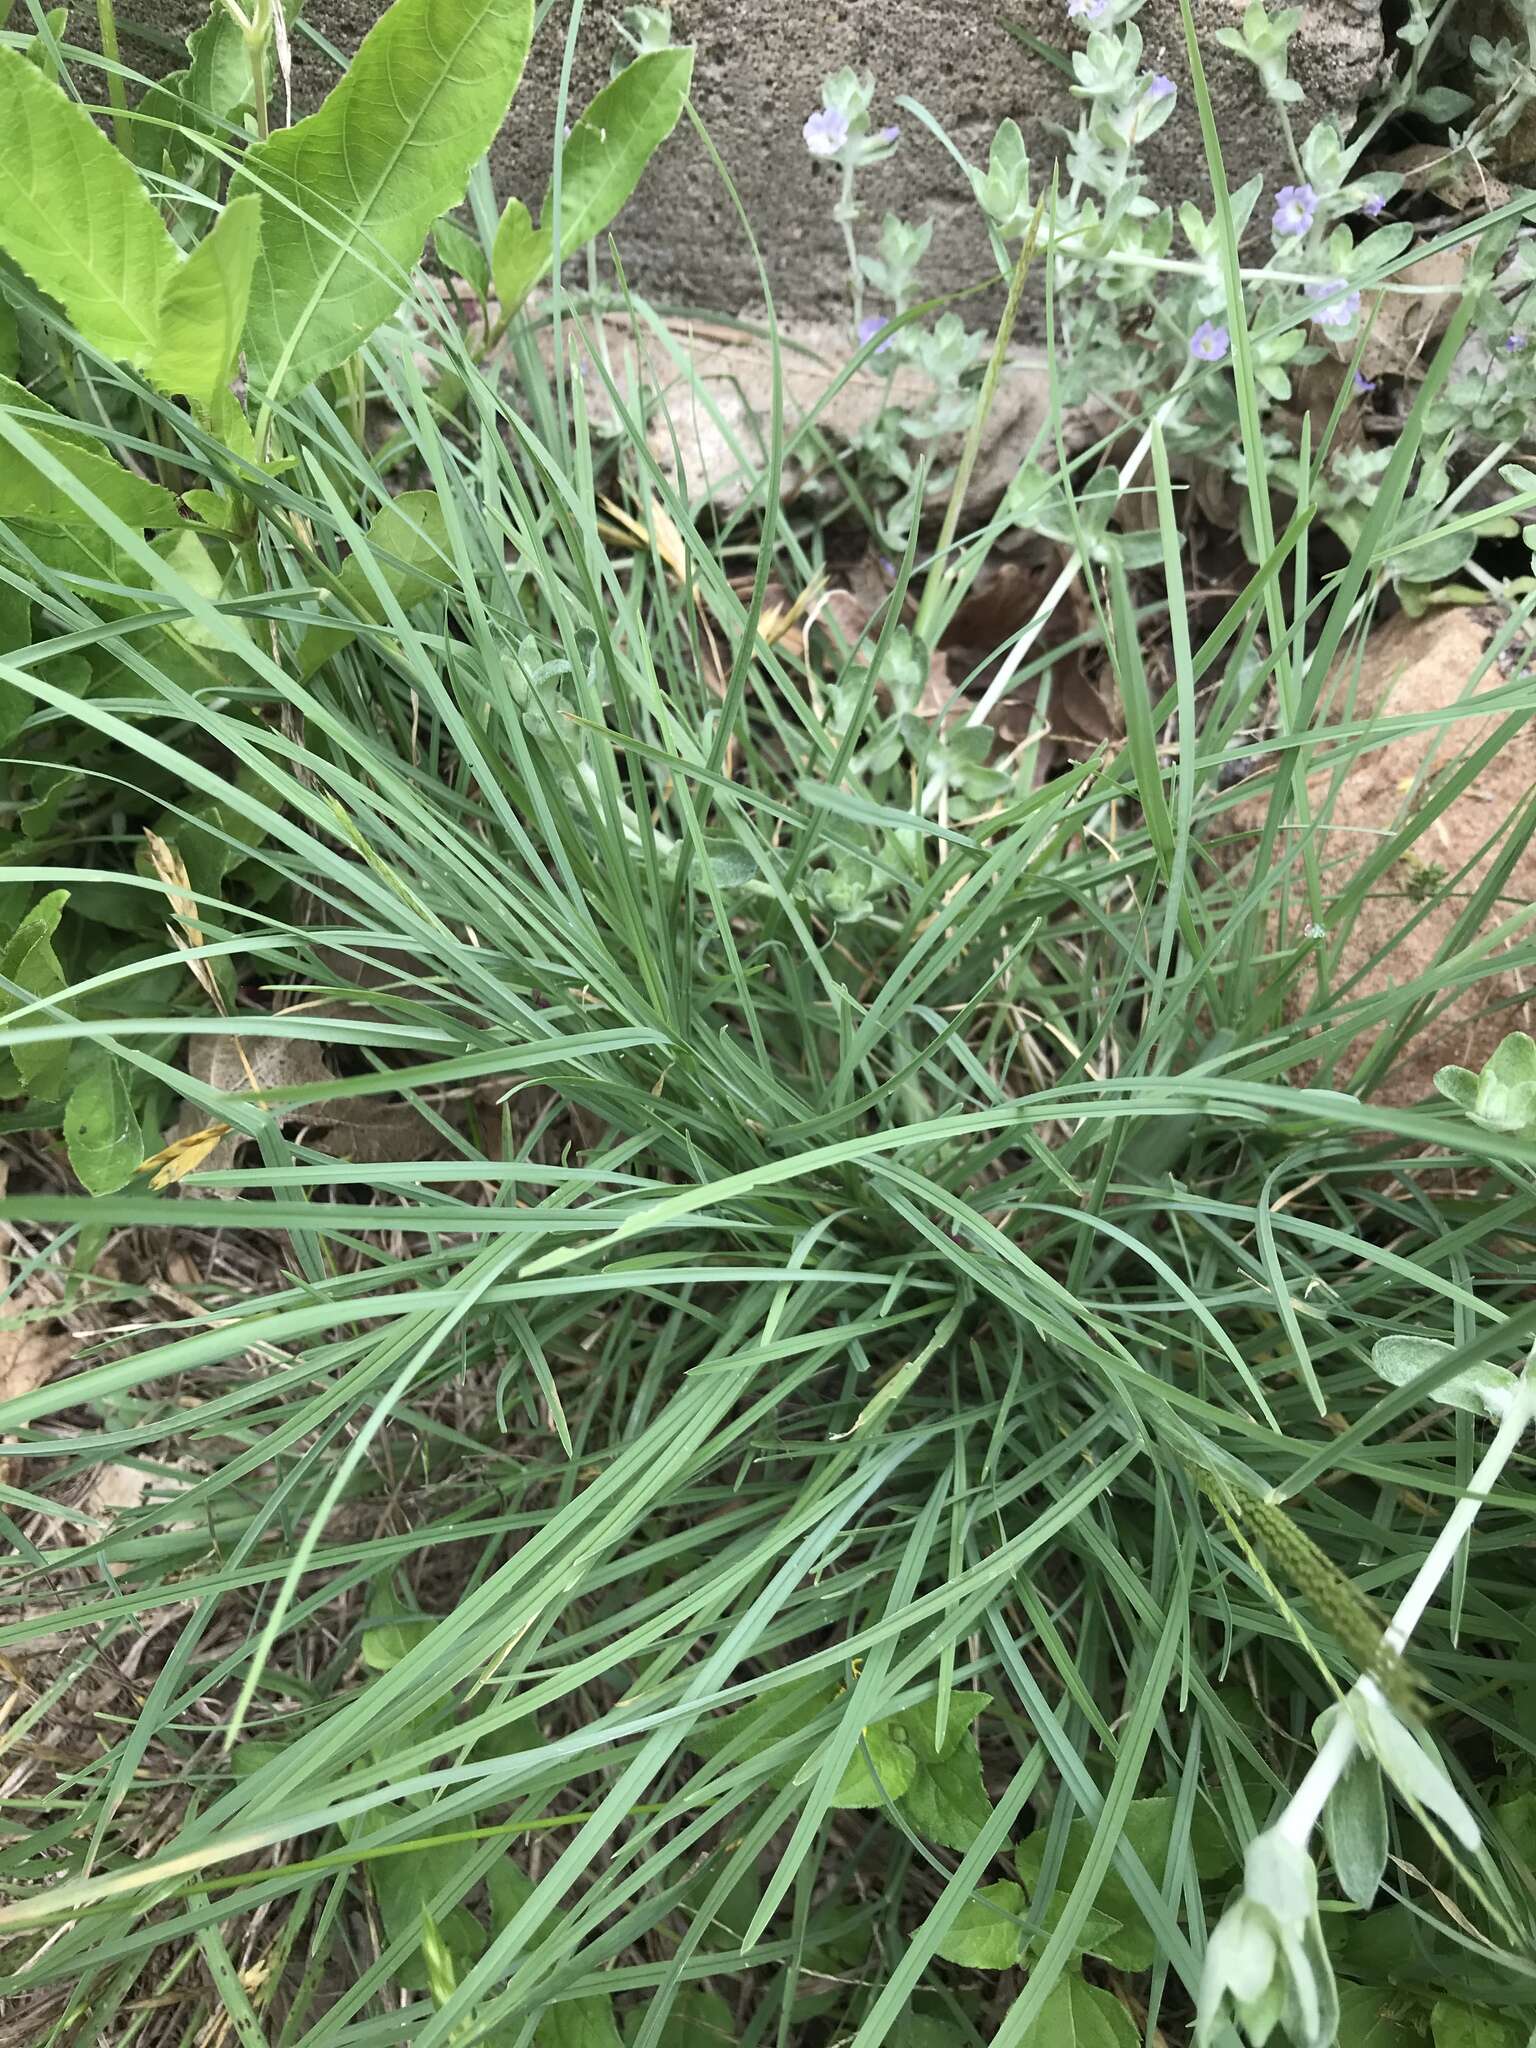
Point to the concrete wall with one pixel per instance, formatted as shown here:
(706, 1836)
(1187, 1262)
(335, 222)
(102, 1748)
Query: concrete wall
(758, 74)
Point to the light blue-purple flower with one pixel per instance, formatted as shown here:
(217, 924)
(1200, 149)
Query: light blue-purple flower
(1372, 204)
(1087, 10)
(888, 134)
(826, 132)
(871, 325)
(1363, 384)
(1295, 209)
(1209, 343)
(1339, 307)
(1514, 343)
(1160, 86)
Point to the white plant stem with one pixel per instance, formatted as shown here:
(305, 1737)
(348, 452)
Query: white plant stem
(1306, 1805)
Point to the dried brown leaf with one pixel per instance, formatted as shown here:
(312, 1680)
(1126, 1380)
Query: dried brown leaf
(29, 1356)
(1407, 322)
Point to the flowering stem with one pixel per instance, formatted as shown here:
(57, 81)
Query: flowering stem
(847, 213)
(1329, 1765)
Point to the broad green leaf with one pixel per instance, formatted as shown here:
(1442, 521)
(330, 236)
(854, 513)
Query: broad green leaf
(408, 542)
(386, 1642)
(25, 493)
(15, 632)
(509, 1888)
(1480, 1389)
(1095, 1935)
(101, 1130)
(10, 340)
(1369, 2018)
(579, 2023)
(202, 314)
(75, 217)
(1079, 2015)
(519, 256)
(353, 190)
(31, 963)
(51, 789)
(608, 148)
(985, 1934)
(461, 255)
(404, 1882)
(695, 2019)
(206, 97)
(601, 162)
(946, 1800)
(1454, 2025)
(1148, 1831)
(880, 1770)
(780, 1714)
(1458, 1085)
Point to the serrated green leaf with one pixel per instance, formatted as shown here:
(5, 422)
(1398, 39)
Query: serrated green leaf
(580, 2023)
(946, 1800)
(985, 1934)
(1149, 1831)
(880, 1770)
(1079, 2015)
(30, 962)
(202, 314)
(75, 217)
(780, 1714)
(352, 190)
(101, 1130)
(408, 543)
(25, 493)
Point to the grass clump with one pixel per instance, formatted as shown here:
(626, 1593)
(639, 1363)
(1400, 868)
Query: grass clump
(811, 1477)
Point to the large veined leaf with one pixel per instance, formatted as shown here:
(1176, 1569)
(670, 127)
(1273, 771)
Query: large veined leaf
(352, 191)
(600, 166)
(202, 313)
(75, 218)
(25, 493)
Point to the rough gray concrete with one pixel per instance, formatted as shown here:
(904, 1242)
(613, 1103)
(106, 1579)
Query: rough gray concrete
(758, 74)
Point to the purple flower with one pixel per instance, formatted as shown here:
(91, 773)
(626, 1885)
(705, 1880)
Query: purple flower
(1339, 307)
(826, 132)
(1295, 209)
(1209, 343)
(1160, 86)
(1363, 384)
(888, 134)
(871, 325)
(1372, 204)
(1087, 10)
(1513, 343)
